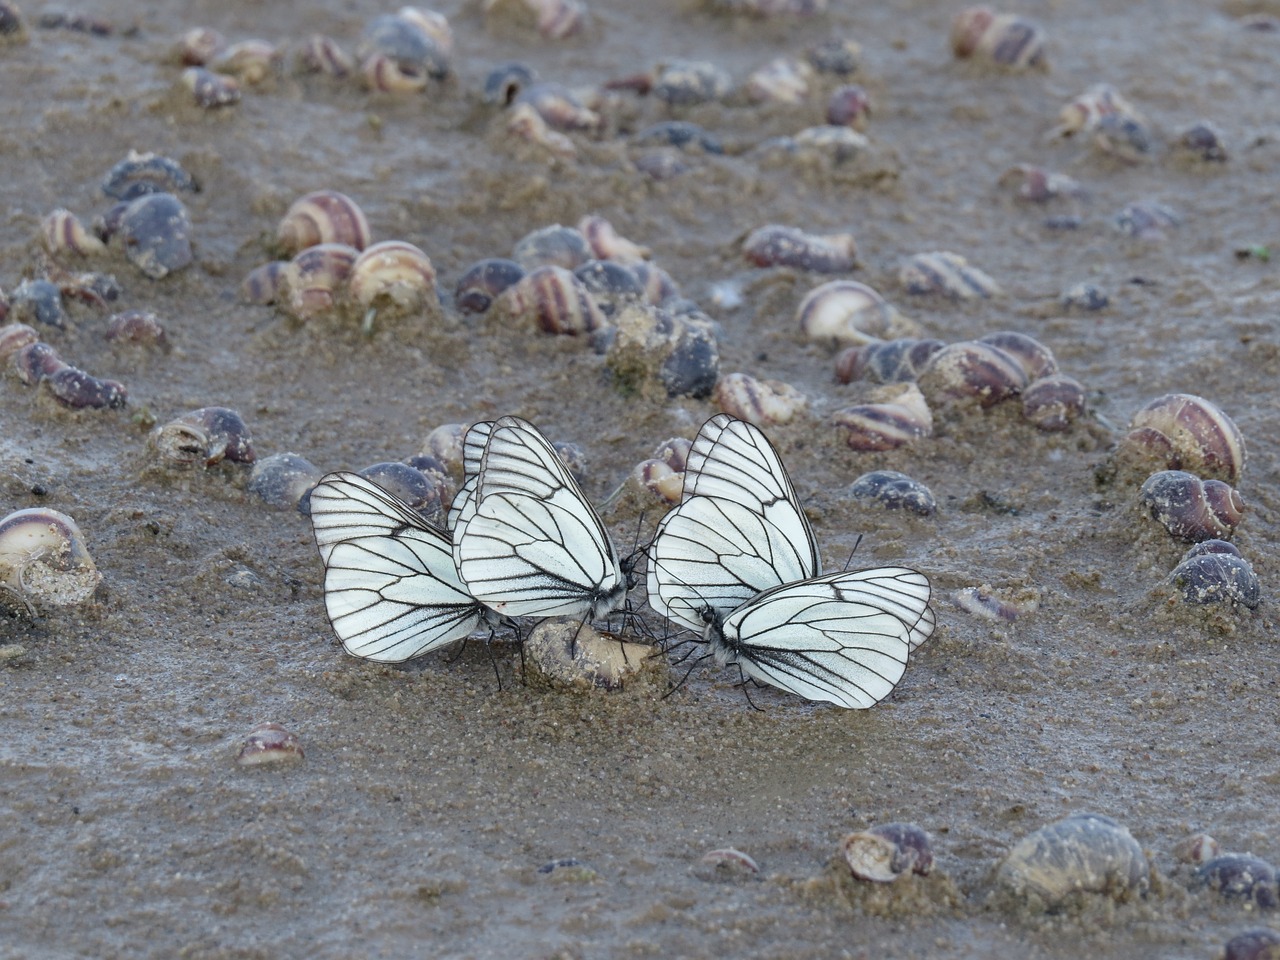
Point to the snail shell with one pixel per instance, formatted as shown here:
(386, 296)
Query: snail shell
(74, 388)
(559, 107)
(444, 445)
(1034, 357)
(553, 19)
(1146, 221)
(888, 851)
(946, 274)
(663, 473)
(688, 82)
(778, 246)
(972, 372)
(1083, 113)
(483, 281)
(1038, 184)
(392, 271)
(204, 436)
(269, 744)
(39, 301)
(35, 360)
(1197, 848)
(552, 246)
(409, 47)
(142, 173)
(607, 244)
(44, 559)
(654, 346)
(887, 361)
(1053, 403)
(612, 285)
(136, 326)
(324, 216)
(762, 402)
(726, 866)
(899, 416)
(567, 651)
(15, 336)
(317, 277)
(250, 61)
(835, 55)
(982, 602)
(385, 74)
(266, 283)
(1083, 853)
(1184, 431)
(1189, 508)
(1253, 945)
(1000, 39)
(428, 495)
(210, 90)
(849, 106)
(1124, 137)
(894, 491)
(524, 122)
(323, 54)
(62, 231)
(505, 81)
(1084, 296)
(782, 80)
(554, 301)
(849, 312)
(1240, 877)
(688, 137)
(198, 45)
(283, 479)
(657, 283)
(1216, 575)
(157, 234)
(1202, 142)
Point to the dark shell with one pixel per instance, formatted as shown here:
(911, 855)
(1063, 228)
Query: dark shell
(136, 326)
(407, 44)
(789, 247)
(205, 436)
(76, 389)
(553, 246)
(657, 283)
(1034, 357)
(39, 301)
(849, 106)
(1124, 137)
(75, 22)
(13, 28)
(653, 345)
(686, 82)
(613, 285)
(946, 274)
(1189, 508)
(504, 82)
(1240, 877)
(35, 361)
(1053, 403)
(483, 281)
(678, 133)
(157, 234)
(889, 361)
(1253, 945)
(142, 173)
(835, 55)
(1202, 141)
(282, 479)
(895, 491)
(410, 485)
(1216, 577)
(555, 302)
(98, 289)
(1183, 431)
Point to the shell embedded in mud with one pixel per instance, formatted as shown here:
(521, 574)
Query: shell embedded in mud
(142, 173)
(571, 652)
(392, 275)
(779, 246)
(972, 372)
(897, 415)
(1085, 853)
(1181, 431)
(888, 361)
(1253, 945)
(1214, 572)
(44, 559)
(551, 299)
(726, 866)
(269, 744)
(483, 281)
(552, 246)
(655, 348)
(894, 491)
(1240, 877)
(205, 437)
(1197, 848)
(283, 479)
(947, 275)
(136, 326)
(1053, 403)
(888, 851)
(1189, 508)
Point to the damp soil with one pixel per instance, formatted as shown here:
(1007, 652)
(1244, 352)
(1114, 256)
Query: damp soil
(431, 794)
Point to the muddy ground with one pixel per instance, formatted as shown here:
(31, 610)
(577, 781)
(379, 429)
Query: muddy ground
(430, 795)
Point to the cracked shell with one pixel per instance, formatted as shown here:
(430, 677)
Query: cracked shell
(205, 437)
(44, 559)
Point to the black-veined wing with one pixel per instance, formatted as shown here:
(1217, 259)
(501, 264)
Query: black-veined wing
(842, 638)
(473, 444)
(390, 586)
(738, 530)
(529, 544)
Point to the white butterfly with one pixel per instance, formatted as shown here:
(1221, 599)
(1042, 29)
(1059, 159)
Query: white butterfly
(842, 638)
(390, 586)
(473, 444)
(738, 530)
(527, 543)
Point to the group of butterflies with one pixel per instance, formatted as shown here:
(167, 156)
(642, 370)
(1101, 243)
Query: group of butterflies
(735, 561)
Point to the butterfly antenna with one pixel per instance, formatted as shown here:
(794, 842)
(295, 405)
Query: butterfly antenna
(693, 666)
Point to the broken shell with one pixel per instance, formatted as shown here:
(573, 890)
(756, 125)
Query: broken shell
(726, 866)
(210, 90)
(777, 246)
(1253, 945)
(687, 82)
(62, 230)
(283, 479)
(762, 402)
(782, 80)
(894, 491)
(559, 107)
(15, 336)
(1000, 39)
(39, 301)
(323, 216)
(250, 61)
(1053, 403)
(157, 234)
(888, 851)
(392, 272)
(136, 326)
(554, 301)
(1037, 184)
(1184, 431)
(849, 106)
(607, 244)
(1146, 221)
(1240, 877)
(35, 360)
(198, 45)
(888, 361)
(265, 284)
(525, 122)
(946, 274)
(1216, 577)
(849, 312)
(317, 278)
(1197, 848)
(322, 54)
(612, 285)
(835, 55)
(972, 371)
(572, 652)
(483, 281)
(204, 436)
(652, 345)
(505, 81)
(1034, 357)
(1201, 141)
(1083, 853)
(1189, 508)
(44, 559)
(142, 173)
(269, 744)
(899, 416)
(552, 246)
(74, 388)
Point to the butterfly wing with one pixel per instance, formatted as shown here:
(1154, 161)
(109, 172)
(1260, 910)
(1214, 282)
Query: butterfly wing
(842, 638)
(391, 589)
(473, 444)
(531, 544)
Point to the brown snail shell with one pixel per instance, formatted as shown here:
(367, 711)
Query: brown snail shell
(266, 283)
(323, 216)
(569, 652)
(888, 361)
(63, 231)
(323, 54)
(607, 244)
(947, 275)
(15, 336)
(283, 479)
(205, 436)
(972, 372)
(999, 39)
(44, 559)
(483, 281)
(1053, 403)
(778, 246)
(781, 80)
(849, 312)
(136, 326)
(762, 402)
(525, 123)
(888, 851)
(317, 278)
(1034, 357)
(1189, 508)
(392, 273)
(1239, 876)
(427, 495)
(505, 81)
(1197, 848)
(554, 301)
(269, 744)
(197, 46)
(849, 106)
(552, 246)
(1184, 431)
(210, 90)
(1083, 853)
(899, 416)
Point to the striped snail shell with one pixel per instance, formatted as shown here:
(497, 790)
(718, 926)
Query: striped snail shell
(999, 39)
(946, 274)
(1053, 403)
(779, 246)
(897, 416)
(205, 436)
(762, 402)
(849, 312)
(887, 361)
(44, 558)
(316, 278)
(323, 216)
(554, 301)
(266, 283)
(552, 246)
(1034, 357)
(1184, 431)
(1189, 508)
(323, 54)
(210, 90)
(607, 244)
(62, 231)
(894, 491)
(394, 272)
(483, 281)
(970, 371)
(15, 336)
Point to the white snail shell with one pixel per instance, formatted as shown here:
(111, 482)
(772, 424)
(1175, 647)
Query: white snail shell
(849, 312)
(1083, 853)
(43, 558)
(762, 402)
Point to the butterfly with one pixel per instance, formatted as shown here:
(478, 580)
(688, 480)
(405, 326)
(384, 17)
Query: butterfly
(526, 542)
(738, 530)
(842, 638)
(390, 586)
